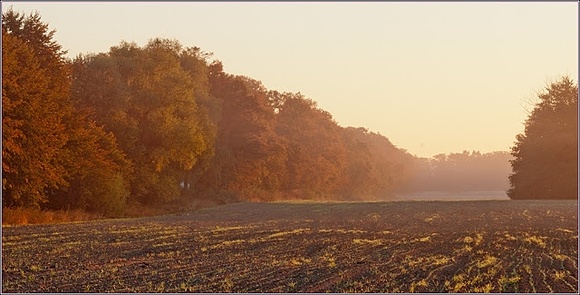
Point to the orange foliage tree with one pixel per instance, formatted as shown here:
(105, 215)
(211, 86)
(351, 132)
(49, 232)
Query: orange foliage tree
(153, 100)
(50, 150)
(316, 153)
(249, 154)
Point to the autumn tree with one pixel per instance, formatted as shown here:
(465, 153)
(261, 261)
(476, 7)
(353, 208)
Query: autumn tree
(195, 62)
(361, 170)
(376, 168)
(152, 99)
(98, 172)
(316, 154)
(50, 150)
(249, 154)
(33, 107)
(546, 154)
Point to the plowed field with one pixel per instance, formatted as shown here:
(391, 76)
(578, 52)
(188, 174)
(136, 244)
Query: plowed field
(467, 246)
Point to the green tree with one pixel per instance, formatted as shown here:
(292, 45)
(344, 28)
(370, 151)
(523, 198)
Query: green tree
(545, 164)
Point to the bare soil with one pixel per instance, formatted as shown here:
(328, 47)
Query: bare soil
(465, 246)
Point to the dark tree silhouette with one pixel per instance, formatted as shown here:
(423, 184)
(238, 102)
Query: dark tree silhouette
(546, 155)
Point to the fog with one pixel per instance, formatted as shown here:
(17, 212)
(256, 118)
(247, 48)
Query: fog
(452, 196)
(458, 176)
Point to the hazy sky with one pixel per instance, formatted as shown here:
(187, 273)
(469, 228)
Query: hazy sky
(432, 77)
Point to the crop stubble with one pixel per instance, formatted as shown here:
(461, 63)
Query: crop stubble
(468, 246)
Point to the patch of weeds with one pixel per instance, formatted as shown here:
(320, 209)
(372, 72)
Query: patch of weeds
(162, 244)
(284, 233)
(227, 285)
(509, 284)
(441, 260)
(421, 283)
(366, 241)
(478, 239)
(228, 243)
(559, 275)
(299, 261)
(564, 230)
(488, 260)
(483, 289)
(331, 262)
(221, 229)
(536, 240)
(559, 256)
(160, 287)
(374, 216)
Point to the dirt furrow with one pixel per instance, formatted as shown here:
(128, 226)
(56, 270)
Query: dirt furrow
(489, 246)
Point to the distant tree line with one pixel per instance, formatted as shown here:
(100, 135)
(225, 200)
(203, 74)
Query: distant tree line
(461, 172)
(162, 122)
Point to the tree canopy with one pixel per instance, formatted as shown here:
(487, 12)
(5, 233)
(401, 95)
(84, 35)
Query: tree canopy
(152, 99)
(52, 154)
(33, 128)
(546, 154)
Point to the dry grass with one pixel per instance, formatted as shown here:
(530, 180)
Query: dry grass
(22, 216)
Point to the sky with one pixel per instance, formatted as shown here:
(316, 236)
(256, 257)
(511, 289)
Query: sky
(433, 77)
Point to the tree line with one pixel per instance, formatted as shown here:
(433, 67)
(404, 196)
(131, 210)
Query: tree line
(461, 172)
(163, 122)
(160, 122)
